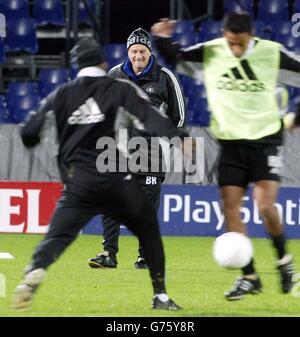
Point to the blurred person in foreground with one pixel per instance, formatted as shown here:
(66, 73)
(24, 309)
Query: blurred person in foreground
(240, 74)
(87, 111)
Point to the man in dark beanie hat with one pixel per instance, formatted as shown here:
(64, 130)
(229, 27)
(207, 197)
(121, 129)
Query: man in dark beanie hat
(165, 93)
(87, 111)
(86, 53)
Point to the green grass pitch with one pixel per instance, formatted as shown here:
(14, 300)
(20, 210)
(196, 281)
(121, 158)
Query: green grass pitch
(193, 280)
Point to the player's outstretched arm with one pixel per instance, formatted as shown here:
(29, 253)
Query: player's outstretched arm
(170, 50)
(146, 117)
(164, 28)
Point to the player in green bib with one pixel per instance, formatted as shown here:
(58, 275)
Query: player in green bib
(241, 73)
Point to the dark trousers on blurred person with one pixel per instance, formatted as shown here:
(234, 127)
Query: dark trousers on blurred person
(122, 199)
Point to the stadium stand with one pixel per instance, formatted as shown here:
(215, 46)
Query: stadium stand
(83, 16)
(15, 9)
(16, 89)
(21, 36)
(289, 41)
(21, 105)
(210, 30)
(50, 78)
(201, 112)
(242, 5)
(48, 12)
(261, 30)
(186, 83)
(281, 28)
(2, 100)
(26, 37)
(183, 26)
(2, 51)
(296, 8)
(271, 10)
(115, 53)
(4, 115)
(185, 39)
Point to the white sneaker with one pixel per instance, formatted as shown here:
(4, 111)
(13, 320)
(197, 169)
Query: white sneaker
(25, 290)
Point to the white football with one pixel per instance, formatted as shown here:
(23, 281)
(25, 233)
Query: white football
(232, 250)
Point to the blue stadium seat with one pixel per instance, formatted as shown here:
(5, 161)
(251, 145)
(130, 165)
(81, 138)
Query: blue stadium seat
(5, 116)
(114, 62)
(21, 36)
(294, 98)
(211, 27)
(162, 62)
(197, 91)
(115, 50)
(46, 88)
(186, 83)
(198, 114)
(234, 6)
(264, 35)
(190, 112)
(159, 59)
(208, 37)
(281, 27)
(297, 6)
(2, 100)
(185, 39)
(201, 113)
(276, 27)
(21, 105)
(210, 30)
(53, 75)
(183, 26)
(73, 72)
(83, 16)
(293, 92)
(48, 12)
(289, 41)
(21, 89)
(197, 38)
(262, 30)
(50, 79)
(259, 26)
(2, 51)
(296, 49)
(15, 9)
(271, 10)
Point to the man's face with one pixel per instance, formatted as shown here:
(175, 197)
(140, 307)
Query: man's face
(238, 42)
(139, 56)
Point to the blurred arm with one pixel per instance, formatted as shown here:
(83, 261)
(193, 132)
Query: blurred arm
(187, 61)
(145, 117)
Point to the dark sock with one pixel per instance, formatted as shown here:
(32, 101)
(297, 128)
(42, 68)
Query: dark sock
(158, 283)
(249, 269)
(279, 244)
